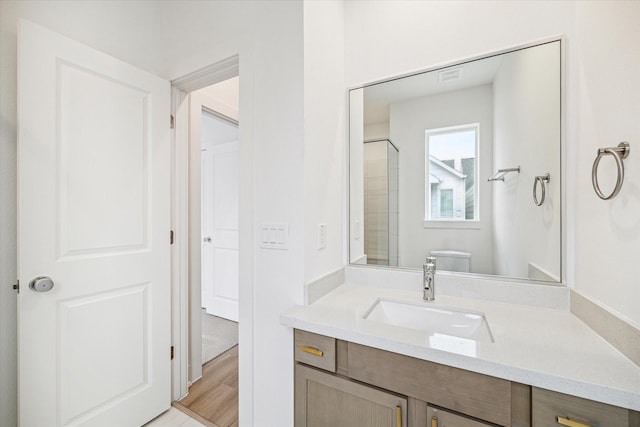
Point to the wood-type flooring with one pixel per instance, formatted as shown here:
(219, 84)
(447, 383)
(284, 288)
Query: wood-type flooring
(213, 399)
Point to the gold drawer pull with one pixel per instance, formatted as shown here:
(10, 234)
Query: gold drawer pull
(398, 416)
(571, 423)
(311, 350)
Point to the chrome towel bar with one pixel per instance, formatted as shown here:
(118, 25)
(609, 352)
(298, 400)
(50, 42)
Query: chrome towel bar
(499, 176)
(543, 180)
(619, 153)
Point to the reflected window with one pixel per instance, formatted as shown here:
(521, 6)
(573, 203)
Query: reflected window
(451, 164)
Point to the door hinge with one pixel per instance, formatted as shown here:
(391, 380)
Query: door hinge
(171, 352)
(172, 122)
(171, 237)
(16, 286)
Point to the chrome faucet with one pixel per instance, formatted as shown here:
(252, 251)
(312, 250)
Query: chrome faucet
(429, 270)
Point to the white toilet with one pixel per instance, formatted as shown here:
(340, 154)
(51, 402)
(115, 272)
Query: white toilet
(452, 260)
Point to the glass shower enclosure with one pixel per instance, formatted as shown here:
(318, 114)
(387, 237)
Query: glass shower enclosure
(381, 202)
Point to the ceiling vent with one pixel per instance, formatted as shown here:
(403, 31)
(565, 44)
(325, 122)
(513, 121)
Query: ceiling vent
(450, 74)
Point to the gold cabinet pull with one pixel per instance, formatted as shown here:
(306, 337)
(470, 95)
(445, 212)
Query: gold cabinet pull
(398, 416)
(311, 350)
(434, 421)
(571, 423)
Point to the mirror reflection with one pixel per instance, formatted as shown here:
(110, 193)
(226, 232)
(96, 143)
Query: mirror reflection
(443, 163)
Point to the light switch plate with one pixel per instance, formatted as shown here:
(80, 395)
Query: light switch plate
(274, 236)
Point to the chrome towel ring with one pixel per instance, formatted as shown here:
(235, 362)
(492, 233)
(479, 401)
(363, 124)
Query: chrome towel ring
(620, 152)
(542, 180)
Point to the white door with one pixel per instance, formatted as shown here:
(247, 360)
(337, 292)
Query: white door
(93, 201)
(220, 229)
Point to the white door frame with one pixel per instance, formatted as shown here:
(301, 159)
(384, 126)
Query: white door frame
(180, 248)
(186, 286)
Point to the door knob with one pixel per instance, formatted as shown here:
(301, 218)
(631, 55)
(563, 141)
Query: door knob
(41, 284)
(207, 239)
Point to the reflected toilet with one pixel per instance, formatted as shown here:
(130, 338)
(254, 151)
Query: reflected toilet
(447, 260)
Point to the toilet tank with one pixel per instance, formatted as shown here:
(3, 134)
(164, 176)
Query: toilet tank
(447, 260)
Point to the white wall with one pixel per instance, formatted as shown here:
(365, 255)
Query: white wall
(608, 111)
(171, 39)
(408, 122)
(216, 131)
(526, 92)
(376, 131)
(269, 38)
(325, 133)
(356, 177)
(226, 95)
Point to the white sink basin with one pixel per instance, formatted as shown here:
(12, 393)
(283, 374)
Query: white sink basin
(431, 319)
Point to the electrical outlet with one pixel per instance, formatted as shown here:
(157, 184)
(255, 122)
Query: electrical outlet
(322, 236)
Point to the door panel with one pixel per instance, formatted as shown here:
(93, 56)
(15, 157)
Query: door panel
(220, 212)
(102, 160)
(226, 275)
(93, 200)
(225, 180)
(123, 357)
(323, 399)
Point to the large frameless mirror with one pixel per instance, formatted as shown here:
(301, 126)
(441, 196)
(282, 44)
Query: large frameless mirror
(462, 163)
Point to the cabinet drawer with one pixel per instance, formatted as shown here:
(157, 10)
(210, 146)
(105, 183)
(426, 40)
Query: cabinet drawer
(547, 406)
(477, 395)
(437, 417)
(315, 350)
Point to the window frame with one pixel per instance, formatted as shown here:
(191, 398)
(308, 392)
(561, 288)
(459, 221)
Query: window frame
(452, 222)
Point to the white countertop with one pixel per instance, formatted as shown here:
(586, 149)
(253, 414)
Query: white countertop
(542, 347)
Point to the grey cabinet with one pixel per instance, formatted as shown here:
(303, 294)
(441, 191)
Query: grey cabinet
(315, 350)
(481, 396)
(343, 384)
(552, 409)
(324, 400)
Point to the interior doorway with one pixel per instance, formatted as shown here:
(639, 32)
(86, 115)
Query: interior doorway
(219, 212)
(214, 125)
(206, 257)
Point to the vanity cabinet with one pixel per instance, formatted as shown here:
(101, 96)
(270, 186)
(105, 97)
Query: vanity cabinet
(480, 396)
(343, 384)
(552, 409)
(323, 399)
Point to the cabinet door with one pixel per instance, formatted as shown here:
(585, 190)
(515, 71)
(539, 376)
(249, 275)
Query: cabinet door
(552, 409)
(437, 417)
(322, 400)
